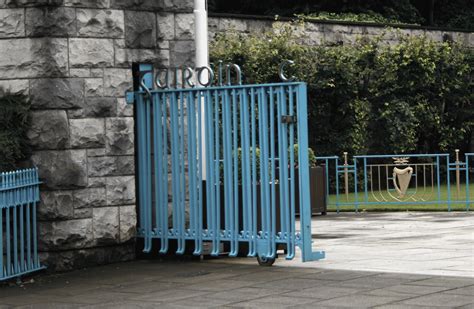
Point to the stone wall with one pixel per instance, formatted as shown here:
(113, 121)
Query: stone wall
(73, 58)
(318, 33)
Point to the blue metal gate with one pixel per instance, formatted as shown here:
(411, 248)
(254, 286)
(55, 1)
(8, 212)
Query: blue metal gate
(19, 195)
(237, 193)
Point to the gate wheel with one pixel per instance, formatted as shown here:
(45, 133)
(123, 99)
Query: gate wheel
(265, 261)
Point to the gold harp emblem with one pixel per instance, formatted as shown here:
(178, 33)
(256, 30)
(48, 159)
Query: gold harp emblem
(401, 176)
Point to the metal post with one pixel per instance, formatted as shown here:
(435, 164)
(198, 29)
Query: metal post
(346, 177)
(458, 174)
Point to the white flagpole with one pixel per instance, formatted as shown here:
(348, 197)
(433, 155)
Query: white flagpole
(202, 60)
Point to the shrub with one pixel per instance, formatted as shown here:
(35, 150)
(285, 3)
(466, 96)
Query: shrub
(370, 97)
(14, 123)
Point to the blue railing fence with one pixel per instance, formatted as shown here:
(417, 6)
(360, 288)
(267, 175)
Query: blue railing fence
(440, 180)
(19, 196)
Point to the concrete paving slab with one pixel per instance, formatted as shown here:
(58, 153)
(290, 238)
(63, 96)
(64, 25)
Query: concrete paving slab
(440, 299)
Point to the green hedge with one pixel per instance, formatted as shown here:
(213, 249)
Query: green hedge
(14, 123)
(371, 97)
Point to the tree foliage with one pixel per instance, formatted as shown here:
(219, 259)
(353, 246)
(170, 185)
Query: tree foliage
(371, 97)
(14, 123)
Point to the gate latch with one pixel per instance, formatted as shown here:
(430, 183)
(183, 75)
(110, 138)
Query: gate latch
(288, 119)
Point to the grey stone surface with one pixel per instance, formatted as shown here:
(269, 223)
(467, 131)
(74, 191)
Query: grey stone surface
(106, 225)
(94, 87)
(49, 129)
(179, 5)
(56, 205)
(119, 136)
(120, 190)
(91, 52)
(140, 29)
(124, 109)
(111, 166)
(124, 57)
(80, 72)
(24, 58)
(117, 81)
(87, 3)
(12, 23)
(62, 169)
(184, 26)
(96, 107)
(50, 21)
(181, 53)
(128, 222)
(16, 86)
(64, 235)
(152, 5)
(57, 93)
(87, 133)
(165, 26)
(90, 197)
(100, 23)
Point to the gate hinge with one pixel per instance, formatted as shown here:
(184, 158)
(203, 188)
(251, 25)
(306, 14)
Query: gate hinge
(288, 119)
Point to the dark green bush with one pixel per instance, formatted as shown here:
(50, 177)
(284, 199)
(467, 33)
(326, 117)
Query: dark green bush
(14, 123)
(371, 97)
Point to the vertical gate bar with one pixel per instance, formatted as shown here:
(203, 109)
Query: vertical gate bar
(337, 185)
(142, 168)
(210, 181)
(218, 98)
(35, 238)
(365, 181)
(458, 174)
(235, 154)
(438, 179)
(22, 238)
(227, 161)
(468, 197)
(8, 240)
(448, 184)
(28, 236)
(182, 174)
(263, 121)
(199, 157)
(15, 232)
(192, 166)
(273, 230)
(148, 189)
(164, 175)
(254, 227)
(158, 162)
(356, 191)
(246, 184)
(281, 166)
(2, 196)
(174, 161)
(305, 207)
(292, 236)
(327, 180)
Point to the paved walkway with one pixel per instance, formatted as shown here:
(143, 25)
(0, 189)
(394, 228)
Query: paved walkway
(397, 260)
(153, 284)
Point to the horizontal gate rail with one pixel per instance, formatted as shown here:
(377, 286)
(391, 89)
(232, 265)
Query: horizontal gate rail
(19, 196)
(216, 168)
(399, 179)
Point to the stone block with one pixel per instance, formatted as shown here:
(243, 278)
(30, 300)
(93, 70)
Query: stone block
(100, 4)
(226, 24)
(100, 23)
(87, 133)
(90, 197)
(128, 223)
(125, 57)
(117, 82)
(65, 169)
(184, 26)
(32, 3)
(96, 107)
(56, 205)
(91, 52)
(140, 29)
(120, 190)
(119, 136)
(48, 130)
(82, 213)
(97, 152)
(64, 235)
(76, 259)
(80, 73)
(12, 23)
(151, 5)
(182, 53)
(97, 72)
(179, 5)
(111, 166)
(165, 26)
(96, 182)
(123, 109)
(94, 87)
(57, 93)
(106, 225)
(15, 86)
(29, 58)
(50, 22)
